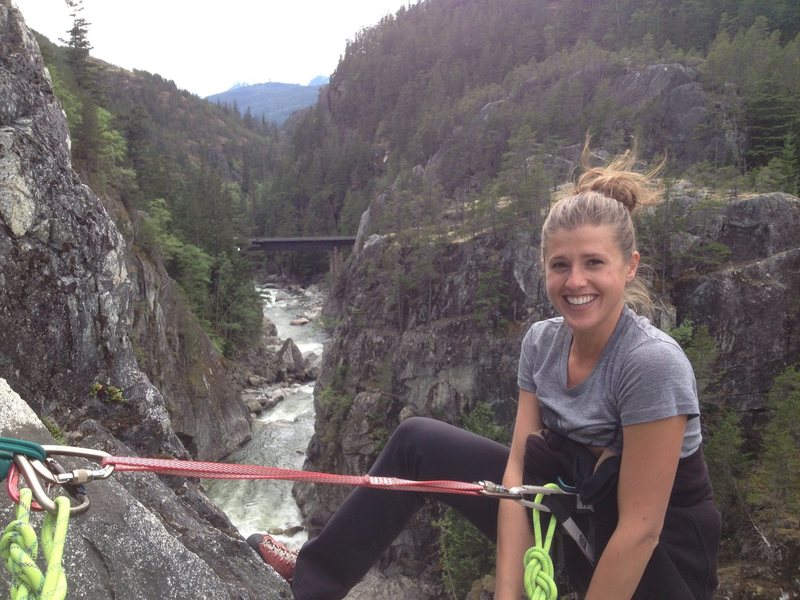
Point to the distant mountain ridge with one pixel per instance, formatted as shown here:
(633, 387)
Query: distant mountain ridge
(273, 101)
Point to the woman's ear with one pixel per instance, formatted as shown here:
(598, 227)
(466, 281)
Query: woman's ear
(633, 265)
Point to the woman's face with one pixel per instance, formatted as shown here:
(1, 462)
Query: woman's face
(586, 273)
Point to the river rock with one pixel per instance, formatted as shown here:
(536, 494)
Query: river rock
(254, 405)
(270, 329)
(312, 364)
(289, 361)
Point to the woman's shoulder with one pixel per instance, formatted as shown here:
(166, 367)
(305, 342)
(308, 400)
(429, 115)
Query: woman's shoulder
(545, 329)
(644, 341)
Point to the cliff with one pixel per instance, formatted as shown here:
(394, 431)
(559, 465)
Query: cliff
(79, 309)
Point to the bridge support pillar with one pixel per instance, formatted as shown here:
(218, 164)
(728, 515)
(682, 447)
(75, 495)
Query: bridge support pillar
(335, 260)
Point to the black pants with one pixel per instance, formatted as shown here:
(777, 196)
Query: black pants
(369, 520)
(329, 565)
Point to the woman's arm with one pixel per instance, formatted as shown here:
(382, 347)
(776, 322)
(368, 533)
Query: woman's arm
(514, 535)
(649, 461)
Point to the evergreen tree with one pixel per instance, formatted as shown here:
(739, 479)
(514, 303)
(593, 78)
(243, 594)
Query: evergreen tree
(78, 46)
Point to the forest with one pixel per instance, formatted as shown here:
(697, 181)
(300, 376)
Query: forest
(472, 92)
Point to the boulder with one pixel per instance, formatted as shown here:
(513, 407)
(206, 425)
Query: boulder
(289, 361)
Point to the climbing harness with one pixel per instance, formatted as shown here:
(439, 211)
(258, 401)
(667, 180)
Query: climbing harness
(40, 470)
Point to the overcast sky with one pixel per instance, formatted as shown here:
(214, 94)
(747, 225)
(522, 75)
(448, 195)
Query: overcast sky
(207, 46)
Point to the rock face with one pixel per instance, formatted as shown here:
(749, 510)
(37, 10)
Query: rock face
(205, 411)
(69, 298)
(749, 302)
(139, 538)
(438, 342)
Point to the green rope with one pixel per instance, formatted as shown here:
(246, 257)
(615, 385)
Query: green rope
(539, 572)
(19, 548)
(11, 446)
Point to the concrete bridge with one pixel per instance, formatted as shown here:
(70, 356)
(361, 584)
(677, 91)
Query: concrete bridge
(306, 244)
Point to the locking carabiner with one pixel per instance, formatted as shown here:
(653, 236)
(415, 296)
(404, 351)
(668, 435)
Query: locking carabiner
(80, 476)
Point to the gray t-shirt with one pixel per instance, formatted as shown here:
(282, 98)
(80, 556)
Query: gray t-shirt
(642, 376)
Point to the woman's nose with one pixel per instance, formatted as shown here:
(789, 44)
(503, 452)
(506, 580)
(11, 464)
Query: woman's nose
(576, 278)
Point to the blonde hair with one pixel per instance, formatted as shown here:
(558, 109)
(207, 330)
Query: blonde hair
(608, 195)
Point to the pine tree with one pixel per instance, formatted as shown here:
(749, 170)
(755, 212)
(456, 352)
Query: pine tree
(78, 46)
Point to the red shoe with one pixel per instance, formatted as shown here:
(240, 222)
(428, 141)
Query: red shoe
(275, 554)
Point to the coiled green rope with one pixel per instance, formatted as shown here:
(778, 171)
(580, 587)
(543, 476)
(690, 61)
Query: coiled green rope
(19, 548)
(539, 572)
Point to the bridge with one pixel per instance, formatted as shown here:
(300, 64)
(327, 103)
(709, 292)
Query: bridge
(301, 244)
(306, 244)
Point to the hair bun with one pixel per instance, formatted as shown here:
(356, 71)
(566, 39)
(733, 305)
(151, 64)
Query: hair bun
(618, 180)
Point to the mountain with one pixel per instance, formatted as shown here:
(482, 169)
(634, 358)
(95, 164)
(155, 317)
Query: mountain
(430, 95)
(274, 102)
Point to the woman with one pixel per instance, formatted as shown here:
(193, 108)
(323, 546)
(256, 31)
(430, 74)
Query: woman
(597, 383)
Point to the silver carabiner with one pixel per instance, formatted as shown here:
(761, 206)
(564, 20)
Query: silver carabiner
(36, 472)
(31, 475)
(518, 493)
(80, 476)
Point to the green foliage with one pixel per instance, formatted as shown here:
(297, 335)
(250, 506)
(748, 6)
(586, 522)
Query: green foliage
(336, 406)
(490, 297)
(683, 333)
(217, 288)
(481, 420)
(54, 430)
(728, 466)
(466, 554)
(703, 256)
(106, 392)
(759, 493)
(186, 263)
(702, 353)
(762, 66)
(701, 350)
(781, 173)
(777, 477)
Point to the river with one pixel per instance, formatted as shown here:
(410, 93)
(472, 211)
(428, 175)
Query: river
(280, 435)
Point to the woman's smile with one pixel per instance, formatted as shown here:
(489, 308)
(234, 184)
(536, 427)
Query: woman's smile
(580, 300)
